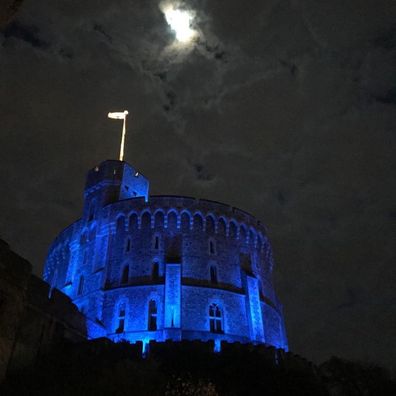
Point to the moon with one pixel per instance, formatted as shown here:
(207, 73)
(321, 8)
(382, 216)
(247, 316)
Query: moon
(180, 22)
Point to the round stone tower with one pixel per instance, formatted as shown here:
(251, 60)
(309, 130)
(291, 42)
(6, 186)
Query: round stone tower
(162, 267)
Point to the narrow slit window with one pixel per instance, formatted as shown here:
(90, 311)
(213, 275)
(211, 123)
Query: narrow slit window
(212, 246)
(128, 245)
(213, 274)
(121, 318)
(125, 275)
(155, 271)
(152, 319)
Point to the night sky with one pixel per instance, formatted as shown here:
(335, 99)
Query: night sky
(286, 109)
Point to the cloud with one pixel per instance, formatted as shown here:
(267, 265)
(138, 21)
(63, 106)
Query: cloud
(282, 108)
(29, 34)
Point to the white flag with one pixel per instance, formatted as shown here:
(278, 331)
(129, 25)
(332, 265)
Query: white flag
(118, 115)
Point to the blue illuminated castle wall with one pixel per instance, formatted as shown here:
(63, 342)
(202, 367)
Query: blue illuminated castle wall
(146, 267)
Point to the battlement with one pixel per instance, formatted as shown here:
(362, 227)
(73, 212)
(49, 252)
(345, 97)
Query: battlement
(164, 205)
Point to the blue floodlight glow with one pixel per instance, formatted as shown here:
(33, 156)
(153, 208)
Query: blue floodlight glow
(217, 345)
(146, 344)
(161, 268)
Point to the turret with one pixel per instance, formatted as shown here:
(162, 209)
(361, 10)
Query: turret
(112, 181)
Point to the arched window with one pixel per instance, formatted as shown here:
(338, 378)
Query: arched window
(125, 275)
(215, 319)
(172, 221)
(210, 225)
(133, 222)
(185, 222)
(121, 318)
(197, 222)
(252, 238)
(212, 246)
(155, 271)
(242, 234)
(120, 227)
(159, 220)
(221, 227)
(146, 220)
(80, 289)
(233, 230)
(213, 274)
(259, 244)
(152, 316)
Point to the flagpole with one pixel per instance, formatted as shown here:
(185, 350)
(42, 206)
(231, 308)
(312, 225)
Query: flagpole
(123, 139)
(120, 115)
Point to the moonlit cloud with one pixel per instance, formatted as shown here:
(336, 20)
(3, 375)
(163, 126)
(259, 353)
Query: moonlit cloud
(179, 20)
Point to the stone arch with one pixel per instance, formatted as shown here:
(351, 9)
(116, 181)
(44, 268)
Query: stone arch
(159, 218)
(268, 256)
(233, 229)
(242, 233)
(198, 222)
(252, 237)
(172, 217)
(210, 224)
(133, 223)
(185, 221)
(222, 226)
(259, 243)
(145, 220)
(120, 224)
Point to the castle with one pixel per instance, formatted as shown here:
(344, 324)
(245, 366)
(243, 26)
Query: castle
(144, 268)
